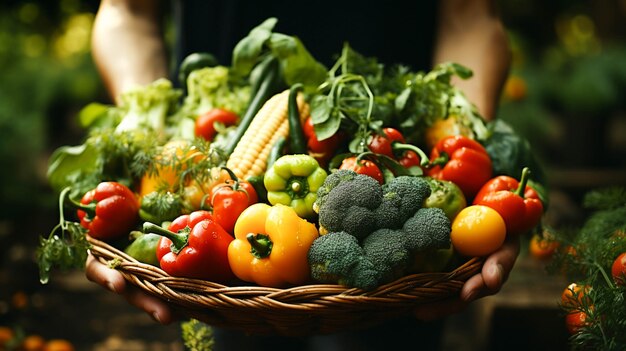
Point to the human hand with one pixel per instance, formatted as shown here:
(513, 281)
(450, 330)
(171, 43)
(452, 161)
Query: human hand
(114, 281)
(489, 281)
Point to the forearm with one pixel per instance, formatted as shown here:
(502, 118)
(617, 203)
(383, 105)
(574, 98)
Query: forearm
(127, 44)
(471, 33)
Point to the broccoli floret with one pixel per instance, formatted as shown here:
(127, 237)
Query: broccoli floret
(428, 229)
(386, 249)
(338, 258)
(333, 180)
(388, 214)
(350, 206)
(361, 191)
(411, 190)
(363, 276)
(358, 221)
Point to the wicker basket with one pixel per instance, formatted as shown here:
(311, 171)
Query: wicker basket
(297, 311)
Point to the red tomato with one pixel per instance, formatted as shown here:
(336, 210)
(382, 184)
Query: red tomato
(382, 144)
(229, 199)
(366, 167)
(618, 270)
(410, 159)
(542, 248)
(575, 295)
(574, 321)
(205, 123)
(321, 150)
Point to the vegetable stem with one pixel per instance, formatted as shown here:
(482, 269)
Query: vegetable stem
(179, 240)
(297, 142)
(90, 209)
(261, 245)
(270, 74)
(523, 181)
(401, 146)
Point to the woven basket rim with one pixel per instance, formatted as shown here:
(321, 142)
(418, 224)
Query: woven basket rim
(323, 308)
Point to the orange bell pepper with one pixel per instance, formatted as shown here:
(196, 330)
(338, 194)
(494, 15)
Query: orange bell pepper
(271, 245)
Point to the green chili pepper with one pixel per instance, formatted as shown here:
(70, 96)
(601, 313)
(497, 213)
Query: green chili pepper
(445, 195)
(293, 180)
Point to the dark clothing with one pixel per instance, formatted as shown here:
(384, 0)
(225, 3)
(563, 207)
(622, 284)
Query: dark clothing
(401, 334)
(393, 31)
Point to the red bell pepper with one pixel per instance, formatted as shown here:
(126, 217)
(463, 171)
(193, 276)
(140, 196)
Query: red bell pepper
(229, 199)
(108, 211)
(517, 203)
(463, 161)
(193, 246)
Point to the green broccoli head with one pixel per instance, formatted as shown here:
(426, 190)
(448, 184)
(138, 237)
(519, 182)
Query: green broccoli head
(428, 229)
(350, 206)
(361, 191)
(332, 181)
(411, 190)
(358, 221)
(388, 214)
(333, 256)
(386, 249)
(364, 275)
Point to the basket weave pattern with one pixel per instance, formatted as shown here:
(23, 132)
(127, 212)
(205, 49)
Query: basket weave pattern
(296, 311)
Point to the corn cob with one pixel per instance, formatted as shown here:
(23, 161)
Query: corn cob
(249, 157)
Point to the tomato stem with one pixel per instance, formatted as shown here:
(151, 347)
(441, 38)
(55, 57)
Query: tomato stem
(402, 146)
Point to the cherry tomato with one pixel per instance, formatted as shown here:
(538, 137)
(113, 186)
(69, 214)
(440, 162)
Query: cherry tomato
(366, 167)
(574, 321)
(321, 150)
(575, 295)
(205, 123)
(381, 144)
(58, 345)
(477, 231)
(410, 159)
(618, 270)
(32, 343)
(542, 248)
(229, 199)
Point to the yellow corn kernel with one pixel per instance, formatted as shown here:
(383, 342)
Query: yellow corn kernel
(250, 155)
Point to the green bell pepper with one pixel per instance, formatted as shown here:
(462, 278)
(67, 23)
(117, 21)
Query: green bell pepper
(445, 195)
(293, 180)
(143, 247)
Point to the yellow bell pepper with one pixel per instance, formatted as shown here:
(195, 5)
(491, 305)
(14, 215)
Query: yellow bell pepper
(271, 246)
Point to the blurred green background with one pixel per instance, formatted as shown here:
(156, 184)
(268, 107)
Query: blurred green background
(565, 94)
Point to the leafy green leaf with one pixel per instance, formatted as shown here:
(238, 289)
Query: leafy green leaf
(67, 163)
(197, 336)
(298, 65)
(65, 251)
(92, 114)
(248, 50)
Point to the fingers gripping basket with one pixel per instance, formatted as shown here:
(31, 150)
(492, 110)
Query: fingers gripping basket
(297, 311)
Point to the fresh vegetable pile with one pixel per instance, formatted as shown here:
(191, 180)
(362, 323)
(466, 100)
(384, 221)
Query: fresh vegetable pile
(279, 172)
